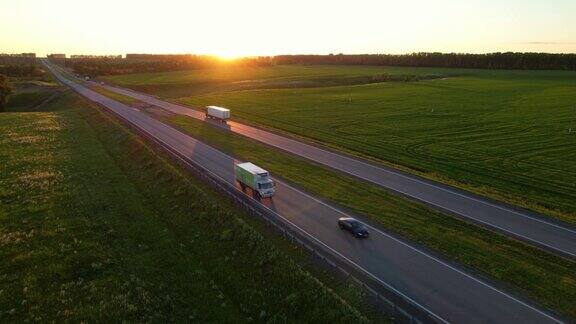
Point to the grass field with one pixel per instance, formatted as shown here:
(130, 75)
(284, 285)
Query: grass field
(95, 226)
(505, 134)
(185, 83)
(240, 74)
(538, 274)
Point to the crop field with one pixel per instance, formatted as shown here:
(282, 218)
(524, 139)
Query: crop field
(185, 83)
(95, 226)
(264, 74)
(506, 134)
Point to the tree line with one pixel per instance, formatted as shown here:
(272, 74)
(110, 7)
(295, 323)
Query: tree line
(5, 91)
(12, 59)
(21, 70)
(82, 56)
(508, 60)
(146, 63)
(143, 63)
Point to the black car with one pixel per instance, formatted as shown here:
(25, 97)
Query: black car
(353, 226)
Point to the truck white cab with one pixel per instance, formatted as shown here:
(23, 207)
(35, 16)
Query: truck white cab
(258, 179)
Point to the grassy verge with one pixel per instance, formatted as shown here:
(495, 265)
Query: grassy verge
(28, 100)
(118, 97)
(95, 226)
(549, 279)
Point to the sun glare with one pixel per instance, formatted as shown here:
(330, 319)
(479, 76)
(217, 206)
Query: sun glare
(229, 56)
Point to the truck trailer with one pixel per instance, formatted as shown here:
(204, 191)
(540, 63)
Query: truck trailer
(218, 113)
(256, 178)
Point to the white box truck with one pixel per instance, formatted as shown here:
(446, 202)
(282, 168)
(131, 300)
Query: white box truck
(253, 176)
(218, 113)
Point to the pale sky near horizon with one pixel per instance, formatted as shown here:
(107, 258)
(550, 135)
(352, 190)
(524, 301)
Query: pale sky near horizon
(259, 27)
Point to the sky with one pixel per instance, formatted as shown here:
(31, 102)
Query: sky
(269, 27)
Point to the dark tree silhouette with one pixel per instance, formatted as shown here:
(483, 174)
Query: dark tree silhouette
(144, 63)
(21, 70)
(141, 63)
(509, 60)
(5, 91)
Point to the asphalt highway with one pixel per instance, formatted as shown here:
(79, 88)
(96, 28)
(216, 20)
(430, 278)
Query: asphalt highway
(532, 228)
(446, 292)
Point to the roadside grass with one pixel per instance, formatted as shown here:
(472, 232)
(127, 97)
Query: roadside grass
(548, 279)
(118, 97)
(26, 101)
(508, 135)
(29, 94)
(96, 226)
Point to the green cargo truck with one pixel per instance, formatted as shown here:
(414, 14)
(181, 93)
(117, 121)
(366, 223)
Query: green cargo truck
(253, 176)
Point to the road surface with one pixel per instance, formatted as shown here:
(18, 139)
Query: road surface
(446, 292)
(532, 228)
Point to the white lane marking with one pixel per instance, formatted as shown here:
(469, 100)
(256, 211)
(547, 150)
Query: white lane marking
(422, 252)
(487, 223)
(308, 146)
(375, 229)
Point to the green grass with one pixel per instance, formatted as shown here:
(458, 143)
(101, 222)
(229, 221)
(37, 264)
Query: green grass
(504, 134)
(233, 74)
(113, 95)
(185, 83)
(28, 100)
(95, 226)
(549, 279)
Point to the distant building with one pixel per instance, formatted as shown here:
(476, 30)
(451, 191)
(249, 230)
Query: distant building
(57, 56)
(22, 58)
(32, 55)
(89, 57)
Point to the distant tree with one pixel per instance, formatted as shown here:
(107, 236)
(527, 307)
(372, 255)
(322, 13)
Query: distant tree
(5, 91)
(509, 60)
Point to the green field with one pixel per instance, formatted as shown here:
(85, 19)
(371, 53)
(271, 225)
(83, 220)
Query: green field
(505, 134)
(185, 83)
(243, 74)
(97, 227)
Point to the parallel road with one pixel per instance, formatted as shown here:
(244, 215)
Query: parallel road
(445, 292)
(532, 228)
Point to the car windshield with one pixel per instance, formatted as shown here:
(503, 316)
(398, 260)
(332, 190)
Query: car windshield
(266, 185)
(355, 224)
